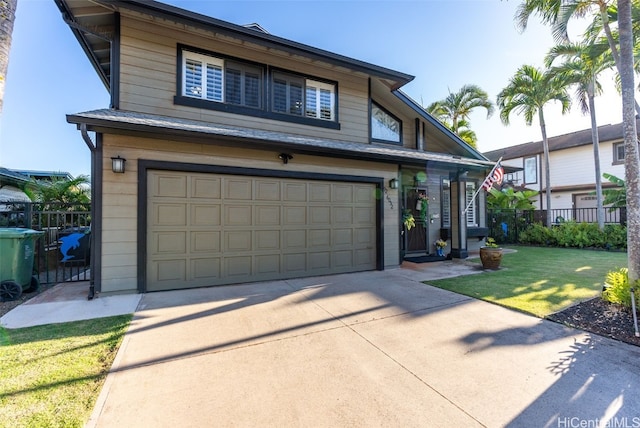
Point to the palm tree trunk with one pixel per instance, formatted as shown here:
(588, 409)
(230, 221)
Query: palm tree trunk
(631, 156)
(547, 171)
(596, 156)
(7, 17)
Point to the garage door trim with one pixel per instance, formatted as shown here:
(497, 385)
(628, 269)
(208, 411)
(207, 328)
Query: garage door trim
(144, 165)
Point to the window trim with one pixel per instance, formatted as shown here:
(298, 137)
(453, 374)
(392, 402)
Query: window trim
(616, 158)
(534, 160)
(373, 103)
(445, 209)
(265, 110)
(303, 118)
(472, 186)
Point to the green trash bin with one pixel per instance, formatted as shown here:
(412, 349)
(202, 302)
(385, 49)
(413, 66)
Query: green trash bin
(17, 248)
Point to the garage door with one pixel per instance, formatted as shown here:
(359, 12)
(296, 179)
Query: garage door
(207, 229)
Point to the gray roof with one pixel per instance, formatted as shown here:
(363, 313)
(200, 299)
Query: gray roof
(13, 176)
(561, 142)
(170, 127)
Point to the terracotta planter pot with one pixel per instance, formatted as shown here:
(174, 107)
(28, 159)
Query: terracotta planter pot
(491, 257)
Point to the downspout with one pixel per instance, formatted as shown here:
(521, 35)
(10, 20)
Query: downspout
(92, 148)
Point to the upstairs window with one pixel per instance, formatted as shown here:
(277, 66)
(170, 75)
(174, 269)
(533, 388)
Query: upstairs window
(618, 153)
(385, 127)
(218, 82)
(214, 79)
(320, 100)
(202, 77)
(243, 85)
(299, 96)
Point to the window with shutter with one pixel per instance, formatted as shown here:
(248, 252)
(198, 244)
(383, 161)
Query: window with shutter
(472, 212)
(241, 87)
(446, 203)
(320, 99)
(198, 83)
(288, 94)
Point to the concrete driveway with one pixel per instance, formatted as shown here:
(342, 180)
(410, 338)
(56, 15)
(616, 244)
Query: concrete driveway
(359, 350)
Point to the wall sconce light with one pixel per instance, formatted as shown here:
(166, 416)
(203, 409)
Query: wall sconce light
(117, 165)
(285, 157)
(393, 183)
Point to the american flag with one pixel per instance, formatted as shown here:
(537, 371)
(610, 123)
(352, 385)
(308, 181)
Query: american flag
(495, 176)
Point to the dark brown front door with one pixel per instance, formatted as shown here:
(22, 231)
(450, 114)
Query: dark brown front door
(416, 238)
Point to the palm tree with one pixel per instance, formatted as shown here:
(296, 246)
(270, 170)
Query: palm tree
(454, 110)
(8, 16)
(73, 192)
(581, 68)
(465, 133)
(558, 13)
(631, 156)
(528, 91)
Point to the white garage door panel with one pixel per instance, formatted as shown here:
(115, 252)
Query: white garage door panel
(208, 229)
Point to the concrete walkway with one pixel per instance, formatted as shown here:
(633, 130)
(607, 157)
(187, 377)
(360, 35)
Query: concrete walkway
(365, 349)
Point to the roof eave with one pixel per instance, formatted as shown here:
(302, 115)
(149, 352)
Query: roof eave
(238, 31)
(98, 124)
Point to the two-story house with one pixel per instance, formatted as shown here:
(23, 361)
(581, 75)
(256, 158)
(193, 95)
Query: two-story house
(230, 155)
(572, 169)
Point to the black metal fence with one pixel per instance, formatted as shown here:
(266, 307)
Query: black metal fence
(505, 225)
(63, 253)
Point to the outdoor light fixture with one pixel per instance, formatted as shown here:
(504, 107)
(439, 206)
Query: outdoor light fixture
(285, 157)
(393, 183)
(117, 165)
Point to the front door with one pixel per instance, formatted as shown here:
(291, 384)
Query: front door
(415, 240)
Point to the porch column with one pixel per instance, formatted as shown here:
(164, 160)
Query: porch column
(458, 219)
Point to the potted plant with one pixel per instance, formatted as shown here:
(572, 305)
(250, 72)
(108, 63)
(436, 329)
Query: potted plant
(440, 245)
(408, 220)
(490, 254)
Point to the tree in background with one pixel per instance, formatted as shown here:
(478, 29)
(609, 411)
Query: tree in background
(528, 91)
(616, 197)
(509, 198)
(72, 191)
(7, 17)
(454, 110)
(581, 68)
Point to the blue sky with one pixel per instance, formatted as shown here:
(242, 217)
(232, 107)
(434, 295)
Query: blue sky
(444, 43)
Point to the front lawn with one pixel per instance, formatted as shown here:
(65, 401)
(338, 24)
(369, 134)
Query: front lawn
(51, 375)
(539, 280)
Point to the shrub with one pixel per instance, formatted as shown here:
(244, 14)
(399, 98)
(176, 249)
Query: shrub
(617, 289)
(576, 235)
(616, 236)
(537, 234)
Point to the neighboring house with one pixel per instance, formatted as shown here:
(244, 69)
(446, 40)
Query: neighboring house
(250, 157)
(571, 164)
(45, 175)
(12, 184)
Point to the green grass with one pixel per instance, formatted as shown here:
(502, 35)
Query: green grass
(540, 280)
(51, 375)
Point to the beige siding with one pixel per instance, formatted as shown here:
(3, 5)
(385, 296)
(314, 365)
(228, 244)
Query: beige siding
(120, 194)
(148, 80)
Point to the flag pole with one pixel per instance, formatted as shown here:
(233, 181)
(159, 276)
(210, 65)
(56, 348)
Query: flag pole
(480, 187)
